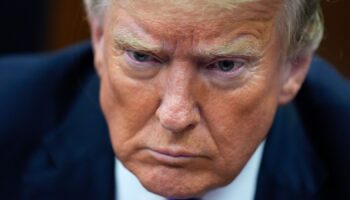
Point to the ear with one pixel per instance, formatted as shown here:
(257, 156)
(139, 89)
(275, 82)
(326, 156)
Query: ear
(294, 73)
(97, 33)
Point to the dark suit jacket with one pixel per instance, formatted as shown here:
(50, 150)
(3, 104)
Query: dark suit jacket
(54, 140)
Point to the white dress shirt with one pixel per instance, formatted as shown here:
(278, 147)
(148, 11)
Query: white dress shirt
(242, 187)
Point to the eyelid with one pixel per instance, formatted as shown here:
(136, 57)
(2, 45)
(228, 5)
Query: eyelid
(234, 59)
(157, 58)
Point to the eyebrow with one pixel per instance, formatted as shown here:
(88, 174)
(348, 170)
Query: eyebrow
(125, 39)
(241, 46)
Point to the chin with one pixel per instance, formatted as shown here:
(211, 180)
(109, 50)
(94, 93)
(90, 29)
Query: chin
(172, 189)
(177, 182)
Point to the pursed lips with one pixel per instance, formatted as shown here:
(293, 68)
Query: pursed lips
(174, 156)
(175, 153)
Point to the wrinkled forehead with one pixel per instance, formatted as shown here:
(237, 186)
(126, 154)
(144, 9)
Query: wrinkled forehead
(198, 18)
(198, 10)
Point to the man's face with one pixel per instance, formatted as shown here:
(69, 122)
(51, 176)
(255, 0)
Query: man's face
(189, 88)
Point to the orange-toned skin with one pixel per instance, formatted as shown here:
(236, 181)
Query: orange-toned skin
(183, 128)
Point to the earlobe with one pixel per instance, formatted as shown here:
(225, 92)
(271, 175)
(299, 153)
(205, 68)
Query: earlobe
(294, 74)
(96, 29)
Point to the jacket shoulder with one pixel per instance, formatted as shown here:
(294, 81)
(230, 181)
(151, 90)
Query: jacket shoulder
(33, 87)
(325, 95)
(36, 92)
(323, 105)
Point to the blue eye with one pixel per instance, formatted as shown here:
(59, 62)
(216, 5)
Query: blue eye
(140, 57)
(228, 65)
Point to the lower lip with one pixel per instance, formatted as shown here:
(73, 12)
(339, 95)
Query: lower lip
(171, 160)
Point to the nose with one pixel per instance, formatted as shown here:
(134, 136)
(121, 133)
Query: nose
(178, 110)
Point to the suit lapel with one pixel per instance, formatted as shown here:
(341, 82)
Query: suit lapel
(76, 161)
(290, 168)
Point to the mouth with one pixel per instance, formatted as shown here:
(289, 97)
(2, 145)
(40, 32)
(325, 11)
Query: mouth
(174, 157)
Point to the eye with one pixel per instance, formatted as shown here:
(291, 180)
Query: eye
(140, 57)
(224, 71)
(228, 72)
(141, 65)
(228, 65)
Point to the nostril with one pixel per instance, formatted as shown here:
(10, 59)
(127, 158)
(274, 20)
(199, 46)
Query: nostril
(190, 126)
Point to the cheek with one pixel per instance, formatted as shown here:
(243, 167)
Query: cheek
(240, 119)
(127, 105)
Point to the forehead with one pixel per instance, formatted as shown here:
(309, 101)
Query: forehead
(197, 10)
(195, 20)
(180, 14)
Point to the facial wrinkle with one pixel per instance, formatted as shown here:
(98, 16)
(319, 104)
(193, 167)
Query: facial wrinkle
(191, 10)
(177, 19)
(256, 14)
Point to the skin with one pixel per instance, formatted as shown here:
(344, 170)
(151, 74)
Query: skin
(177, 121)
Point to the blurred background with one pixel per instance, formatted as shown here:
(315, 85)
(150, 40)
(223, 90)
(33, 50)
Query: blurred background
(47, 25)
